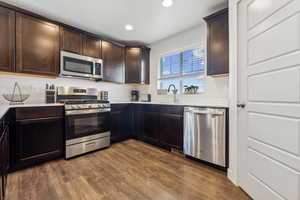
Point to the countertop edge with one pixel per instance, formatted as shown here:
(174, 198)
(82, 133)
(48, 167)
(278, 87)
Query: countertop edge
(5, 108)
(174, 104)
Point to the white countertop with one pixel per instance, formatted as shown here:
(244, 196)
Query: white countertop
(220, 105)
(5, 107)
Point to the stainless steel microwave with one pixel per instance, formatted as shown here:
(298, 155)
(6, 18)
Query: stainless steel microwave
(75, 65)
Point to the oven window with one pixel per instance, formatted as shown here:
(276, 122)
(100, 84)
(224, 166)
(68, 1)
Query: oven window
(86, 125)
(78, 66)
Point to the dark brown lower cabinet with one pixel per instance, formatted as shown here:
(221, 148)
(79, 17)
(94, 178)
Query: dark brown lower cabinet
(35, 140)
(161, 125)
(171, 130)
(116, 126)
(4, 155)
(150, 127)
(120, 122)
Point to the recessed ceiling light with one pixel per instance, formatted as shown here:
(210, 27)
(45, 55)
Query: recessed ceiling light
(129, 27)
(167, 3)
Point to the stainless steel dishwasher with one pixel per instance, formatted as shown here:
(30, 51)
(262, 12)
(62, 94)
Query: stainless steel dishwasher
(205, 134)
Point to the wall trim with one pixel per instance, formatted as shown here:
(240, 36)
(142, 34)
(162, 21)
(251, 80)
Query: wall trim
(233, 92)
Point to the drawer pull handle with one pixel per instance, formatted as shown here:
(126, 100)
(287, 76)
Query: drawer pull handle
(91, 143)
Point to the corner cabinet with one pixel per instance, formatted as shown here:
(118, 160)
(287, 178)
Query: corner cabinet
(37, 46)
(113, 62)
(38, 136)
(7, 35)
(218, 43)
(137, 65)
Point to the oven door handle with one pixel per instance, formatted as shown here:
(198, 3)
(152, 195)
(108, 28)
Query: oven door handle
(88, 111)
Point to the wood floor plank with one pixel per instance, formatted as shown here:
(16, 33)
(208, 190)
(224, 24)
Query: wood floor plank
(130, 170)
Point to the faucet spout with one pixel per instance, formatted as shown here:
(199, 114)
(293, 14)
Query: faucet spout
(172, 85)
(174, 92)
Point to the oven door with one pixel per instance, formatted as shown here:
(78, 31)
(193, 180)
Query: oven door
(87, 124)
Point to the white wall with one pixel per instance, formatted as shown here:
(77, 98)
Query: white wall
(36, 87)
(216, 89)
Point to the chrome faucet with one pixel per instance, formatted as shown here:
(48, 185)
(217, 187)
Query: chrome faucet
(174, 92)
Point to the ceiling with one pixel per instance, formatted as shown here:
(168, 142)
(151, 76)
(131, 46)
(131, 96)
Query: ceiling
(151, 21)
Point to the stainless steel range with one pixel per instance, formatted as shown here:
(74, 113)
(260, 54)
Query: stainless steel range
(87, 120)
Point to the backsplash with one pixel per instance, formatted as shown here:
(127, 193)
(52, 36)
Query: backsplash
(36, 87)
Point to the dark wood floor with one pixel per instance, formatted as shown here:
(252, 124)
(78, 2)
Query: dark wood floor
(129, 170)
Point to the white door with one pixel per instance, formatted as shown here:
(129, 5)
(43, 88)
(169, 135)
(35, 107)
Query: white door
(269, 85)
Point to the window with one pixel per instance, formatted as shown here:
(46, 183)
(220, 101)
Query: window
(183, 69)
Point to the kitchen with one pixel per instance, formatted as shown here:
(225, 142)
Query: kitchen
(120, 110)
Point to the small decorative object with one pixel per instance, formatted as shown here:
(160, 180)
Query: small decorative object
(16, 98)
(192, 89)
(162, 91)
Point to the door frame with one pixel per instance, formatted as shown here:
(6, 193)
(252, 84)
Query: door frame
(233, 175)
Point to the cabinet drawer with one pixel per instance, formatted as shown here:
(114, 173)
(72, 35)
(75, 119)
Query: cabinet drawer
(118, 107)
(150, 108)
(39, 112)
(170, 109)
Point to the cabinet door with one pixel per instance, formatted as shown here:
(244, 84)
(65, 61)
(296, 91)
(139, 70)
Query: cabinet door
(37, 46)
(133, 65)
(7, 37)
(71, 40)
(4, 157)
(37, 140)
(113, 62)
(145, 66)
(218, 43)
(116, 126)
(171, 130)
(91, 47)
(150, 132)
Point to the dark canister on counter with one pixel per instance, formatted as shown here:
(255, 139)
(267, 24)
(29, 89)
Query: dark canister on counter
(135, 95)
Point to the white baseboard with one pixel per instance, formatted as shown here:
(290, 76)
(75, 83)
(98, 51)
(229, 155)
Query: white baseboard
(232, 177)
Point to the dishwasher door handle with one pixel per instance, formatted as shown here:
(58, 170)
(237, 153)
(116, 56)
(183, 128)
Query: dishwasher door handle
(206, 112)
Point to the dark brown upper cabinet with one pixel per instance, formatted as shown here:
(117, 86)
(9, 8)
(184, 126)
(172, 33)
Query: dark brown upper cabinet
(113, 62)
(71, 40)
(91, 47)
(7, 37)
(137, 65)
(37, 46)
(218, 43)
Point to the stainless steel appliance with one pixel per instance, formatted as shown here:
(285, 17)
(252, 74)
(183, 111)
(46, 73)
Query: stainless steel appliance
(87, 120)
(75, 65)
(205, 134)
(146, 97)
(135, 95)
